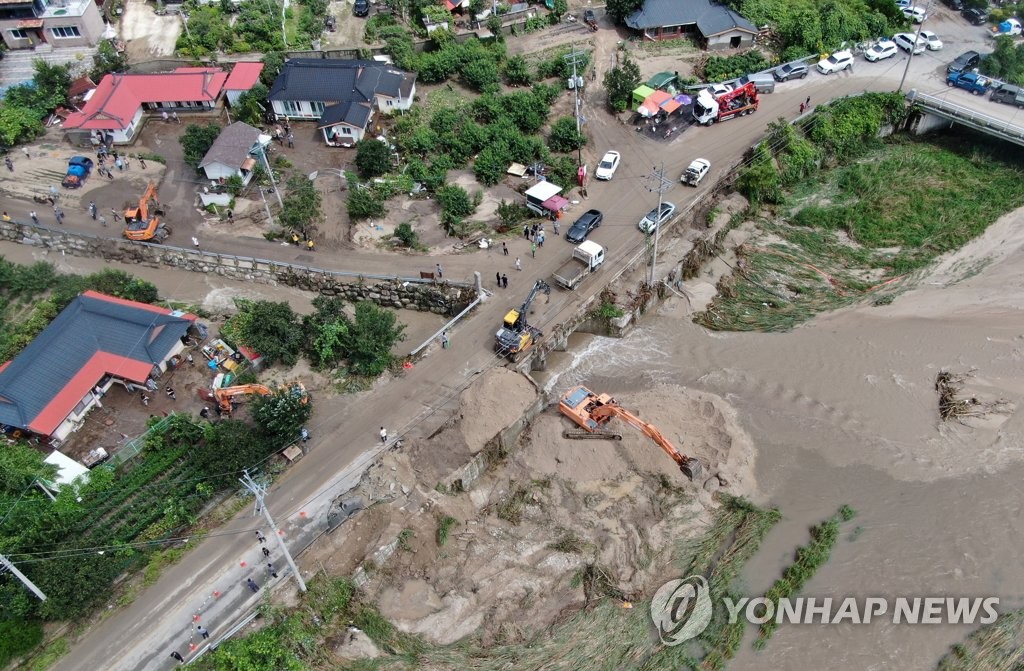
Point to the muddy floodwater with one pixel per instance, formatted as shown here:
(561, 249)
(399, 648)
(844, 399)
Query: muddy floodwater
(844, 410)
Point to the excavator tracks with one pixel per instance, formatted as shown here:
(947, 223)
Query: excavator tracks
(580, 434)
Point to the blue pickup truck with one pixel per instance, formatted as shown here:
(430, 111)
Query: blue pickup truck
(968, 81)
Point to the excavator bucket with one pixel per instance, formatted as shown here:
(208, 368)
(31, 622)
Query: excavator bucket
(693, 469)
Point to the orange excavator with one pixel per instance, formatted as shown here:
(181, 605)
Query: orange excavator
(592, 412)
(225, 395)
(143, 222)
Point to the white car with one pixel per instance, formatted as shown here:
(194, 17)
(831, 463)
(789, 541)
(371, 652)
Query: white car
(608, 165)
(840, 60)
(719, 89)
(883, 49)
(909, 41)
(932, 40)
(915, 14)
(653, 219)
(696, 172)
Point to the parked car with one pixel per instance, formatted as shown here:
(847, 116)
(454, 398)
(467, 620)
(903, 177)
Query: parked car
(608, 165)
(931, 40)
(955, 5)
(903, 4)
(909, 42)
(654, 218)
(582, 227)
(1008, 94)
(975, 17)
(969, 81)
(719, 89)
(840, 60)
(784, 73)
(965, 61)
(880, 51)
(361, 7)
(915, 14)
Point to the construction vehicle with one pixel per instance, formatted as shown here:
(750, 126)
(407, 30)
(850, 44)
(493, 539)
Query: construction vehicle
(592, 412)
(709, 108)
(590, 19)
(226, 395)
(143, 222)
(516, 335)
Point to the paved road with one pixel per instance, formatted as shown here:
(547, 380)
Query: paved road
(210, 581)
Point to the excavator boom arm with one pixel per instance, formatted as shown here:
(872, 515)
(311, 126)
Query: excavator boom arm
(647, 429)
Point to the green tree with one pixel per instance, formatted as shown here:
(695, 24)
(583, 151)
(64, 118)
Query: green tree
(559, 9)
(107, 59)
(17, 638)
(618, 10)
(373, 158)
(455, 203)
(517, 72)
(364, 203)
(405, 233)
(490, 165)
(196, 141)
(280, 416)
(620, 82)
(270, 328)
(510, 216)
(481, 74)
(122, 285)
(374, 332)
(1006, 61)
(251, 105)
(564, 136)
(18, 124)
(273, 62)
(52, 82)
(325, 332)
(303, 208)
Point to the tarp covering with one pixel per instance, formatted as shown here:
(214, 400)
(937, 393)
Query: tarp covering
(554, 203)
(653, 102)
(640, 94)
(670, 105)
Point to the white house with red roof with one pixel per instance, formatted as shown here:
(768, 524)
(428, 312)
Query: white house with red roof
(115, 110)
(243, 77)
(95, 342)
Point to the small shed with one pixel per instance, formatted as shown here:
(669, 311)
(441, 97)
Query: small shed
(663, 80)
(230, 154)
(640, 94)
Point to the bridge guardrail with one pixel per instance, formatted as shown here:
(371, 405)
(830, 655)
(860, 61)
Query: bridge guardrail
(965, 114)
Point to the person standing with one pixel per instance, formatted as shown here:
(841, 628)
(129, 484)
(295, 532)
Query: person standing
(203, 631)
(195, 242)
(9, 163)
(440, 271)
(555, 224)
(124, 160)
(497, 277)
(504, 281)
(24, 150)
(34, 217)
(114, 214)
(142, 162)
(519, 264)
(444, 340)
(261, 538)
(92, 209)
(291, 140)
(807, 103)
(174, 115)
(103, 222)
(145, 400)
(164, 116)
(266, 552)
(504, 249)
(170, 393)
(205, 412)
(526, 231)
(533, 249)
(119, 164)
(271, 571)
(59, 214)
(304, 434)
(383, 435)
(252, 585)
(801, 108)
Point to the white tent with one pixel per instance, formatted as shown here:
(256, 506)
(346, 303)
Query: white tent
(68, 470)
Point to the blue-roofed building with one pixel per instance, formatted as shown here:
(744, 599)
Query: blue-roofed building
(341, 95)
(713, 25)
(95, 342)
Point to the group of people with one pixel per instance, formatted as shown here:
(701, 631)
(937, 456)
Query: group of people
(298, 242)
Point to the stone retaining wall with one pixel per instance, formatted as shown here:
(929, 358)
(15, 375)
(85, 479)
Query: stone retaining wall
(444, 298)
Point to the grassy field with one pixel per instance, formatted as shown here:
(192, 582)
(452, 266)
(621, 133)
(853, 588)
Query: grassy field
(860, 231)
(996, 647)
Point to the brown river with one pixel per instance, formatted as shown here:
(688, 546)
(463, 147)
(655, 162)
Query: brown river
(844, 410)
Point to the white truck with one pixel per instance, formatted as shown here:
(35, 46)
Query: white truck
(586, 258)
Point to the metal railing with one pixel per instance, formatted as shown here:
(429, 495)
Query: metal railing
(967, 116)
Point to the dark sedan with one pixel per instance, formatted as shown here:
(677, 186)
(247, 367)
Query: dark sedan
(579, 231)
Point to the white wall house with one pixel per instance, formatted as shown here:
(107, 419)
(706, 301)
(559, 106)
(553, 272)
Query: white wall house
(231, 153)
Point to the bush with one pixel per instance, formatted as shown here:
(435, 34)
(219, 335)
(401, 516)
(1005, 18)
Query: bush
(18, 637)
(270, 328)
(722, 68)
(481, 74)
(363, 203)
(373, 158)
(405, 234)
(564, 136)
(455, 203)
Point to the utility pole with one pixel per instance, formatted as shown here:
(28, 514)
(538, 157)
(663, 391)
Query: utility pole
(259, 491)
(910, 55)
(574, 59)
(661, 185)
(21, 576)
(259, 148)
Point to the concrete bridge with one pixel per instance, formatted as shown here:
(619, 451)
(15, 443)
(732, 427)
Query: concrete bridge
(932, 113)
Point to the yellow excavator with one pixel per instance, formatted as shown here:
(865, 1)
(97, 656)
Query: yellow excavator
(592, 412)
(143, 222)
(516, 335)
(226, 395)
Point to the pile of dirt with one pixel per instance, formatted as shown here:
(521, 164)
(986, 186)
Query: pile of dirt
(560, 523)
(492, 403)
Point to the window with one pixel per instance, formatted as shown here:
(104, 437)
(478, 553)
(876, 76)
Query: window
(345, 130)
(291, 108)
(19, 34)
(64, 32)
(318, 108)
